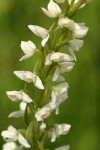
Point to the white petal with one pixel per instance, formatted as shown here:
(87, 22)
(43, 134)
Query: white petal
(66, 147)
(38, 83)
(48, 60)
(24, 75)
(46, 12)
(62, 129)
(15, 96)
(56, 74)
(43, 113)
(65, 22)
(57, 77)
(53, 139)
(76, 44)
(39, 31)
(72, 53)
(22, 106)
(59, 57)
(44, 41)
(69, 1)
(25, 57)
(80, 30)
(10, 146)
(10, 134)
(60, 78)
(66, 66)
(16, 114)
(23, 141)
(27, 47)
(83, 5)
(42, 126)
(54, 8)
(26, 98)
(59, 92)
(54, 97)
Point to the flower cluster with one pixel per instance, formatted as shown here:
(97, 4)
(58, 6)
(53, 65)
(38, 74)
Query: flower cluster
(47, 77)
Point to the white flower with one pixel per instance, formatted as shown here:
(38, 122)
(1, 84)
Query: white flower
(19, 113)
(66, 66)
(57, 77)
(76, 44)
(41, 32)
(60, 1)
(53, 10)
(12, 135)
(17, 96)
(72, 53)
(79, 29)
(43, 113)
(28, 48)
(59, 92)
(55, 106)
(11, 146)
(63, 67)
(59, 129)
(29, 77)
(57, 57)
(65, 147)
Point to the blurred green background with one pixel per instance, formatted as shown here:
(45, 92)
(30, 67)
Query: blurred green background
(82, 108)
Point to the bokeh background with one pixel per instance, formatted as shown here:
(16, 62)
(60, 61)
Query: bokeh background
(81, 110)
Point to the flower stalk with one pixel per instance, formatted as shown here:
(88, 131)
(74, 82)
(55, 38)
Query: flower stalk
(47, 78)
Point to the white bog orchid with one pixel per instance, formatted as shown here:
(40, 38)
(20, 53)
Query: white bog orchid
(59, 1)
(59, 92)
(41, 32)
(59, 129)
(57, 57)
(11, 146)
(66, 66)
(76, 44)
(28, 48)
(30, 77)
(12, 135)
(43, 113)
(19, 113)
(79, 29)
(65, 147)
(56, 76)
(17, 96)
(53, 10)
(62, 68)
